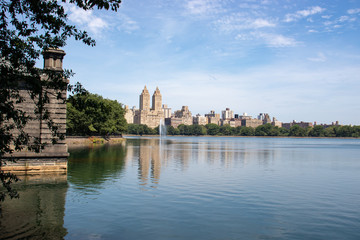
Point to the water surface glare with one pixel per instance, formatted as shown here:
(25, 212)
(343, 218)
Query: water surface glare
(211, 188)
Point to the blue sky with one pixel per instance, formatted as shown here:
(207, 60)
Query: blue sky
(296, 60)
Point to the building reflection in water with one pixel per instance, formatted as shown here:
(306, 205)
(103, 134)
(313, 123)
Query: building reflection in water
(39, 212)
(151, 155)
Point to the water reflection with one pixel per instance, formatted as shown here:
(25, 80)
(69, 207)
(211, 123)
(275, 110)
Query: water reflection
(91, 167)
(151, 154)
(39, 213)
(195, 188)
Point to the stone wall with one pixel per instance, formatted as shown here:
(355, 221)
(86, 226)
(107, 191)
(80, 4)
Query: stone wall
(54, 156)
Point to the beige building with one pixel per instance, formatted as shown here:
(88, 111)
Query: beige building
(129, 114)
(276, 123)
(301, 124)
(146, 115)
(251, 122)
(167, 111)
(200, 120)
(213, 117)
(182, 116)
(227, 114)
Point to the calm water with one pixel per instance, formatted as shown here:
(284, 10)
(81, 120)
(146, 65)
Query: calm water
(196, 188)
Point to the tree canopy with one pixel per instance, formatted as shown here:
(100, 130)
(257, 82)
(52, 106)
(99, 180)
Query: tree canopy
(91, 114)
(262, 130)
(28, 28)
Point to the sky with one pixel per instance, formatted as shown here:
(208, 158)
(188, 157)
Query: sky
(296, 60)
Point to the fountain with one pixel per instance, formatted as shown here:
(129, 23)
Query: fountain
(162, 129)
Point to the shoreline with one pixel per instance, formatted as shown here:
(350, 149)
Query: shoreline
(132, 135)
(91, 141)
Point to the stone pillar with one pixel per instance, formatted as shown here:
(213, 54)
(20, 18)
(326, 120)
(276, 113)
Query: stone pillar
(54, 156)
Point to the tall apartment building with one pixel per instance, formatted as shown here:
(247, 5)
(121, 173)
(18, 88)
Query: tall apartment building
(213, 117)
(146, 115)
(227, 114)
(200, 120)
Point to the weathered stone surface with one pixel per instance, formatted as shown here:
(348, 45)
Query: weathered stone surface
(53, 157)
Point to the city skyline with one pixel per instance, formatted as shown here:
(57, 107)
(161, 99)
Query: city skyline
(294, 60)
(152, 111)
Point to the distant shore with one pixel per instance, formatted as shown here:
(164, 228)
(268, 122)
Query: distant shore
(80, 141)
(132, 135)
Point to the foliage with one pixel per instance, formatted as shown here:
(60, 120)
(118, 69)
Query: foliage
(297, 131)
(316, 131)
(172, 131)
(225, 130)
(140, 129)
(212, 128)
(27, 28)
(262, 130)
(90, 114)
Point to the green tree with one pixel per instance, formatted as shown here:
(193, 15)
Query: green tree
(263, 130)
(185, 129)
(330, 131)
(283, 132)
(247, 131)
(27, 28)
(212, 129)
(344, 131)
(317, 131)
(225, 130)
(356, 131)
(297, 131)
(199, 130)
(172, 131)
(90, 114)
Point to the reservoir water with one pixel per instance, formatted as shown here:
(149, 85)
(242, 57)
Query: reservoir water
(195, 188)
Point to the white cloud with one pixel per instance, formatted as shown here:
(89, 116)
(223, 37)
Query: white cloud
(201, 7)
(326, 16)
(343, 18)
(337, 22)
(276, 40)
(354, 11)
(237, 22)
(260, 23)
(127, 24)
(303, 13)
(319, 58)
(87, 19)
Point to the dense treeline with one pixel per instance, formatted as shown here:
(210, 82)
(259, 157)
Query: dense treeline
(263, 130)
(91, 114)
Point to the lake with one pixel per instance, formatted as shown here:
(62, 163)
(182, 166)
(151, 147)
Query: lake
(195, 188)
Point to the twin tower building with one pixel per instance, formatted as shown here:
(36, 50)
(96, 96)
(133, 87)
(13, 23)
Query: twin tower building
(146, 115)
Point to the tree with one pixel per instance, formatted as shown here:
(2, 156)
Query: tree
(317, 131)
(225, 130)
(172, 131)
(212, 128)
(90, 114)
(263, 130)
(330, 131)
(199, 130)
(356, 131)
(247, 131)
(344, 131)
(297, 131)
(185, 129)
(27, 28)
